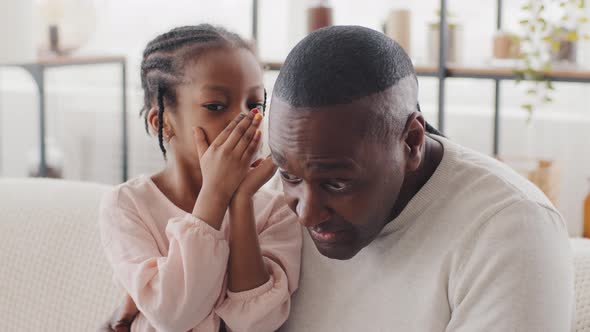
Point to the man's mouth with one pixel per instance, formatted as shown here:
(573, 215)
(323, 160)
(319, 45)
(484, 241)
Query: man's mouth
(329, 235)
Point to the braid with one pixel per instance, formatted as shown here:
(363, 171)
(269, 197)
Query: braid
(164, 59)
(264, 104)
(161, 120)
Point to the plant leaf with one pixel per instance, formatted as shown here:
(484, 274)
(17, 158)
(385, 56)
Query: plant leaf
(547, 66)
(572, 36)
(527, 107)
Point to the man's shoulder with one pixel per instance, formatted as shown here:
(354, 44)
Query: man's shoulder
(477, 177)
(484, 197)
(523, 217)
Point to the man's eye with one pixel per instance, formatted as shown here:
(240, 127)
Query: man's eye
(289, 178)
(336, 186)
(215, 107)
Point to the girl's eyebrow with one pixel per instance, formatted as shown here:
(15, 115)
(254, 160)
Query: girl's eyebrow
(226, 90)
(216, 88)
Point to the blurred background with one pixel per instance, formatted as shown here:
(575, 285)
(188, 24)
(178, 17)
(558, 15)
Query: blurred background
(74, 51)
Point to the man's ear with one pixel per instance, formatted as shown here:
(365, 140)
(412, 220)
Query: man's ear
(414, 138)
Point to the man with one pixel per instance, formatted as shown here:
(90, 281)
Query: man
(413, 232)
(407, 231)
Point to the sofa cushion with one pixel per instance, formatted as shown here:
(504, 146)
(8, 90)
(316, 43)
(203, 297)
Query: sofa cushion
(581, 249)
(53, 273)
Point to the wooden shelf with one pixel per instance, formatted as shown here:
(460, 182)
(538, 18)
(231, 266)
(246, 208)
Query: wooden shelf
(37, 70)
(487, 72)
(426, 70)
(69, 61)
(273, 66)
(570, 74)
(420, 70)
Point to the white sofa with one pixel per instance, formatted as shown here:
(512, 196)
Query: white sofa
(54, 277)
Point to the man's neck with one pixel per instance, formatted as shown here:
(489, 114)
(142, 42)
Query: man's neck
(432, 155)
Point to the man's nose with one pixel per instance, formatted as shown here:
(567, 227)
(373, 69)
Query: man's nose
(311, 209)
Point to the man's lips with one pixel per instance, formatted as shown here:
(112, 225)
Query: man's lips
(327, 234)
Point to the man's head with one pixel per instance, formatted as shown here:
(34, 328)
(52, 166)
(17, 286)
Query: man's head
(345, 131)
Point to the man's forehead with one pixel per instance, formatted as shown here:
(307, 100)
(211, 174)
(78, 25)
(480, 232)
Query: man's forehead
(324, 138)
(300, 165)
(399, 100)
(334, 121)
(314, 161)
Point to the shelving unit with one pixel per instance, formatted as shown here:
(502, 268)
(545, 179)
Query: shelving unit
(37, 71)
(444, 71)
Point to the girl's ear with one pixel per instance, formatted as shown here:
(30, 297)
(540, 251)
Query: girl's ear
(168, 130)
(154, 122)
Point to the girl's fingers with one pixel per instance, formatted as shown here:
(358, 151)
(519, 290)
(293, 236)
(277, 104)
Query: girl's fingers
(252, 146)
(222, 137)
(263, 172)
(200, 141)
(238, 132)
(248, 136)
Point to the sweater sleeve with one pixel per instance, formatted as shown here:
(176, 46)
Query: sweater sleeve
(267, 307)
(173, 292)
(516, 274)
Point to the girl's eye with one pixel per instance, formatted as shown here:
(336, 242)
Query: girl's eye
(289, 177)
(215, 107)
(259, 106)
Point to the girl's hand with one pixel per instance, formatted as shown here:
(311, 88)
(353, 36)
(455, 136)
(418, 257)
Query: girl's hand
(225, 162)
(263, 171)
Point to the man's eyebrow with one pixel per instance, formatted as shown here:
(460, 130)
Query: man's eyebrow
(330, 165)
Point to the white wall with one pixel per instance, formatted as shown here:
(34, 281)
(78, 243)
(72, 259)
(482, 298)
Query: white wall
(83, 102)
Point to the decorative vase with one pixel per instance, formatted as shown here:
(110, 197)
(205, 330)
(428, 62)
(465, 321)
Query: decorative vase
(453, 42)
(63, 26)
(398, 28)
(506, 45)
(319, 15)
(567, 52)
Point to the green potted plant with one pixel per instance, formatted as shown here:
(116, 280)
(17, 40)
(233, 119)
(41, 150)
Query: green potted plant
(549, 35)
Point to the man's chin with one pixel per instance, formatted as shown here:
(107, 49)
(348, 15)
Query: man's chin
(338, 251)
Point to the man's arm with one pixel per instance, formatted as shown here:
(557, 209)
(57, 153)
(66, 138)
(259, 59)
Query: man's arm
(515, 274)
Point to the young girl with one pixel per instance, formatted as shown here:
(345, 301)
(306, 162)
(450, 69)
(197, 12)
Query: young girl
(197, 246)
